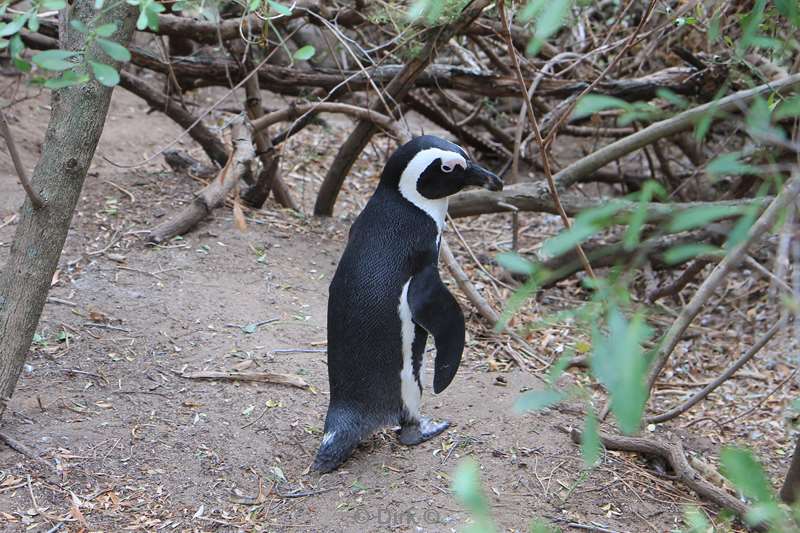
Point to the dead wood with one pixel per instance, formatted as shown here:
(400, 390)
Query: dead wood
(608, 254)
(158, 101)
(297, 111)
(24, 449)
(183, 163)
(203, 71)
(791, 485)
(395, 90)
(213, 195)
(466, 286)
(674, 454)
(522, 200)
(682, 281)
(260, 377)
(708, 389)
(268, 179)
(460, 131)
(531, 196)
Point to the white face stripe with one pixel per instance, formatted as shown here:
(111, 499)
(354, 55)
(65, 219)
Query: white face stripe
(436, 209)
(409, 388)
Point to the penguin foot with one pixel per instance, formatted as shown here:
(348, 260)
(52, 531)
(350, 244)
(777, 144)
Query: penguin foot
(413, 433)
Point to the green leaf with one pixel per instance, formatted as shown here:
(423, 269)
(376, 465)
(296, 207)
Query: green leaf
(741, 468)
(788, 108)
(54, 4)
(305, 53)
(789, 9)
(587, 223)
(141, 22)
(742, 226)
(67, 79)
(467, 489)
(541, 526)
(548, 22)
(696, 520)
(79, 26)
(514, 262)
(590, 440)
(54, 59)
(536, 400)
(105, 74)
(700, 216)
(619, 363)
(714, 29)
(10, 28)
(673, 98)
(33, 23)
(250, 328)
(638, 217)
(683, 252)
(280, 8)
(729, 165)
(253, 5)
(106, 30)
(557, 370)
(115, 50)
(592, 103)
(515, 302)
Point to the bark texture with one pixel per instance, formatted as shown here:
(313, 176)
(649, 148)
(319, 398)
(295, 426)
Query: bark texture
(75, 126)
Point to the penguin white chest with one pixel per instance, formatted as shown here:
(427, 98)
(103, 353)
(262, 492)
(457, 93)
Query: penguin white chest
(410, 387)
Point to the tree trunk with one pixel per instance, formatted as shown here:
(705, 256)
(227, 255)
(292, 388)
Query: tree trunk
(791, 485)
(75, 126)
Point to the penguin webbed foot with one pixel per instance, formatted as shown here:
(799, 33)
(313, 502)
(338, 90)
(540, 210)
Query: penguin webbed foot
(416, 432)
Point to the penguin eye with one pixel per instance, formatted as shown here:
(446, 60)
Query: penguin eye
(447, 168)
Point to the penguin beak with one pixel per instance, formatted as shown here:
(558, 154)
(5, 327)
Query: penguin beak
(480, 177)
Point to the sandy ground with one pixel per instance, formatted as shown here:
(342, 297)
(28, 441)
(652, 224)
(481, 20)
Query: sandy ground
(135, 446)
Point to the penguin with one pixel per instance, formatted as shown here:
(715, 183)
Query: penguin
(386, 297)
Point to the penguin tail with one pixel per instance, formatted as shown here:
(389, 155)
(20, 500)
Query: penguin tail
(340, 439)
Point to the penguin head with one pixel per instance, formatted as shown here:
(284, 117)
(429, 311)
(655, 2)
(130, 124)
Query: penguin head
(433, 168)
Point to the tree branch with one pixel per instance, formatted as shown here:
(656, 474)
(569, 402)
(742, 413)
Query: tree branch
(36, 200)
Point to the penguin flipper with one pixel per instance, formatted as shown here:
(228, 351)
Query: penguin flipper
(436, 310)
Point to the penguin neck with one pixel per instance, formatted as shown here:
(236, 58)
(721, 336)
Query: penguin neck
(434, 208)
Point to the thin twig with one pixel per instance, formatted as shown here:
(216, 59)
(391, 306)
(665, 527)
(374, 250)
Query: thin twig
(36, 200)
(688, 404)
(538, 135)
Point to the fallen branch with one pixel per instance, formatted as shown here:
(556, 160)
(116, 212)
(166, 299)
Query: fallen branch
(24, 449)
(296, 111)
(200, 133)
(466, 286)
(213, 195)
(683, 280)
(268, 179)
(520, 199)
(674, 455)
(478, 202)
(183, 163)
(259, 377)
(698, 396)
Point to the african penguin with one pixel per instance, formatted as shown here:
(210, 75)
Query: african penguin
(386, 297)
